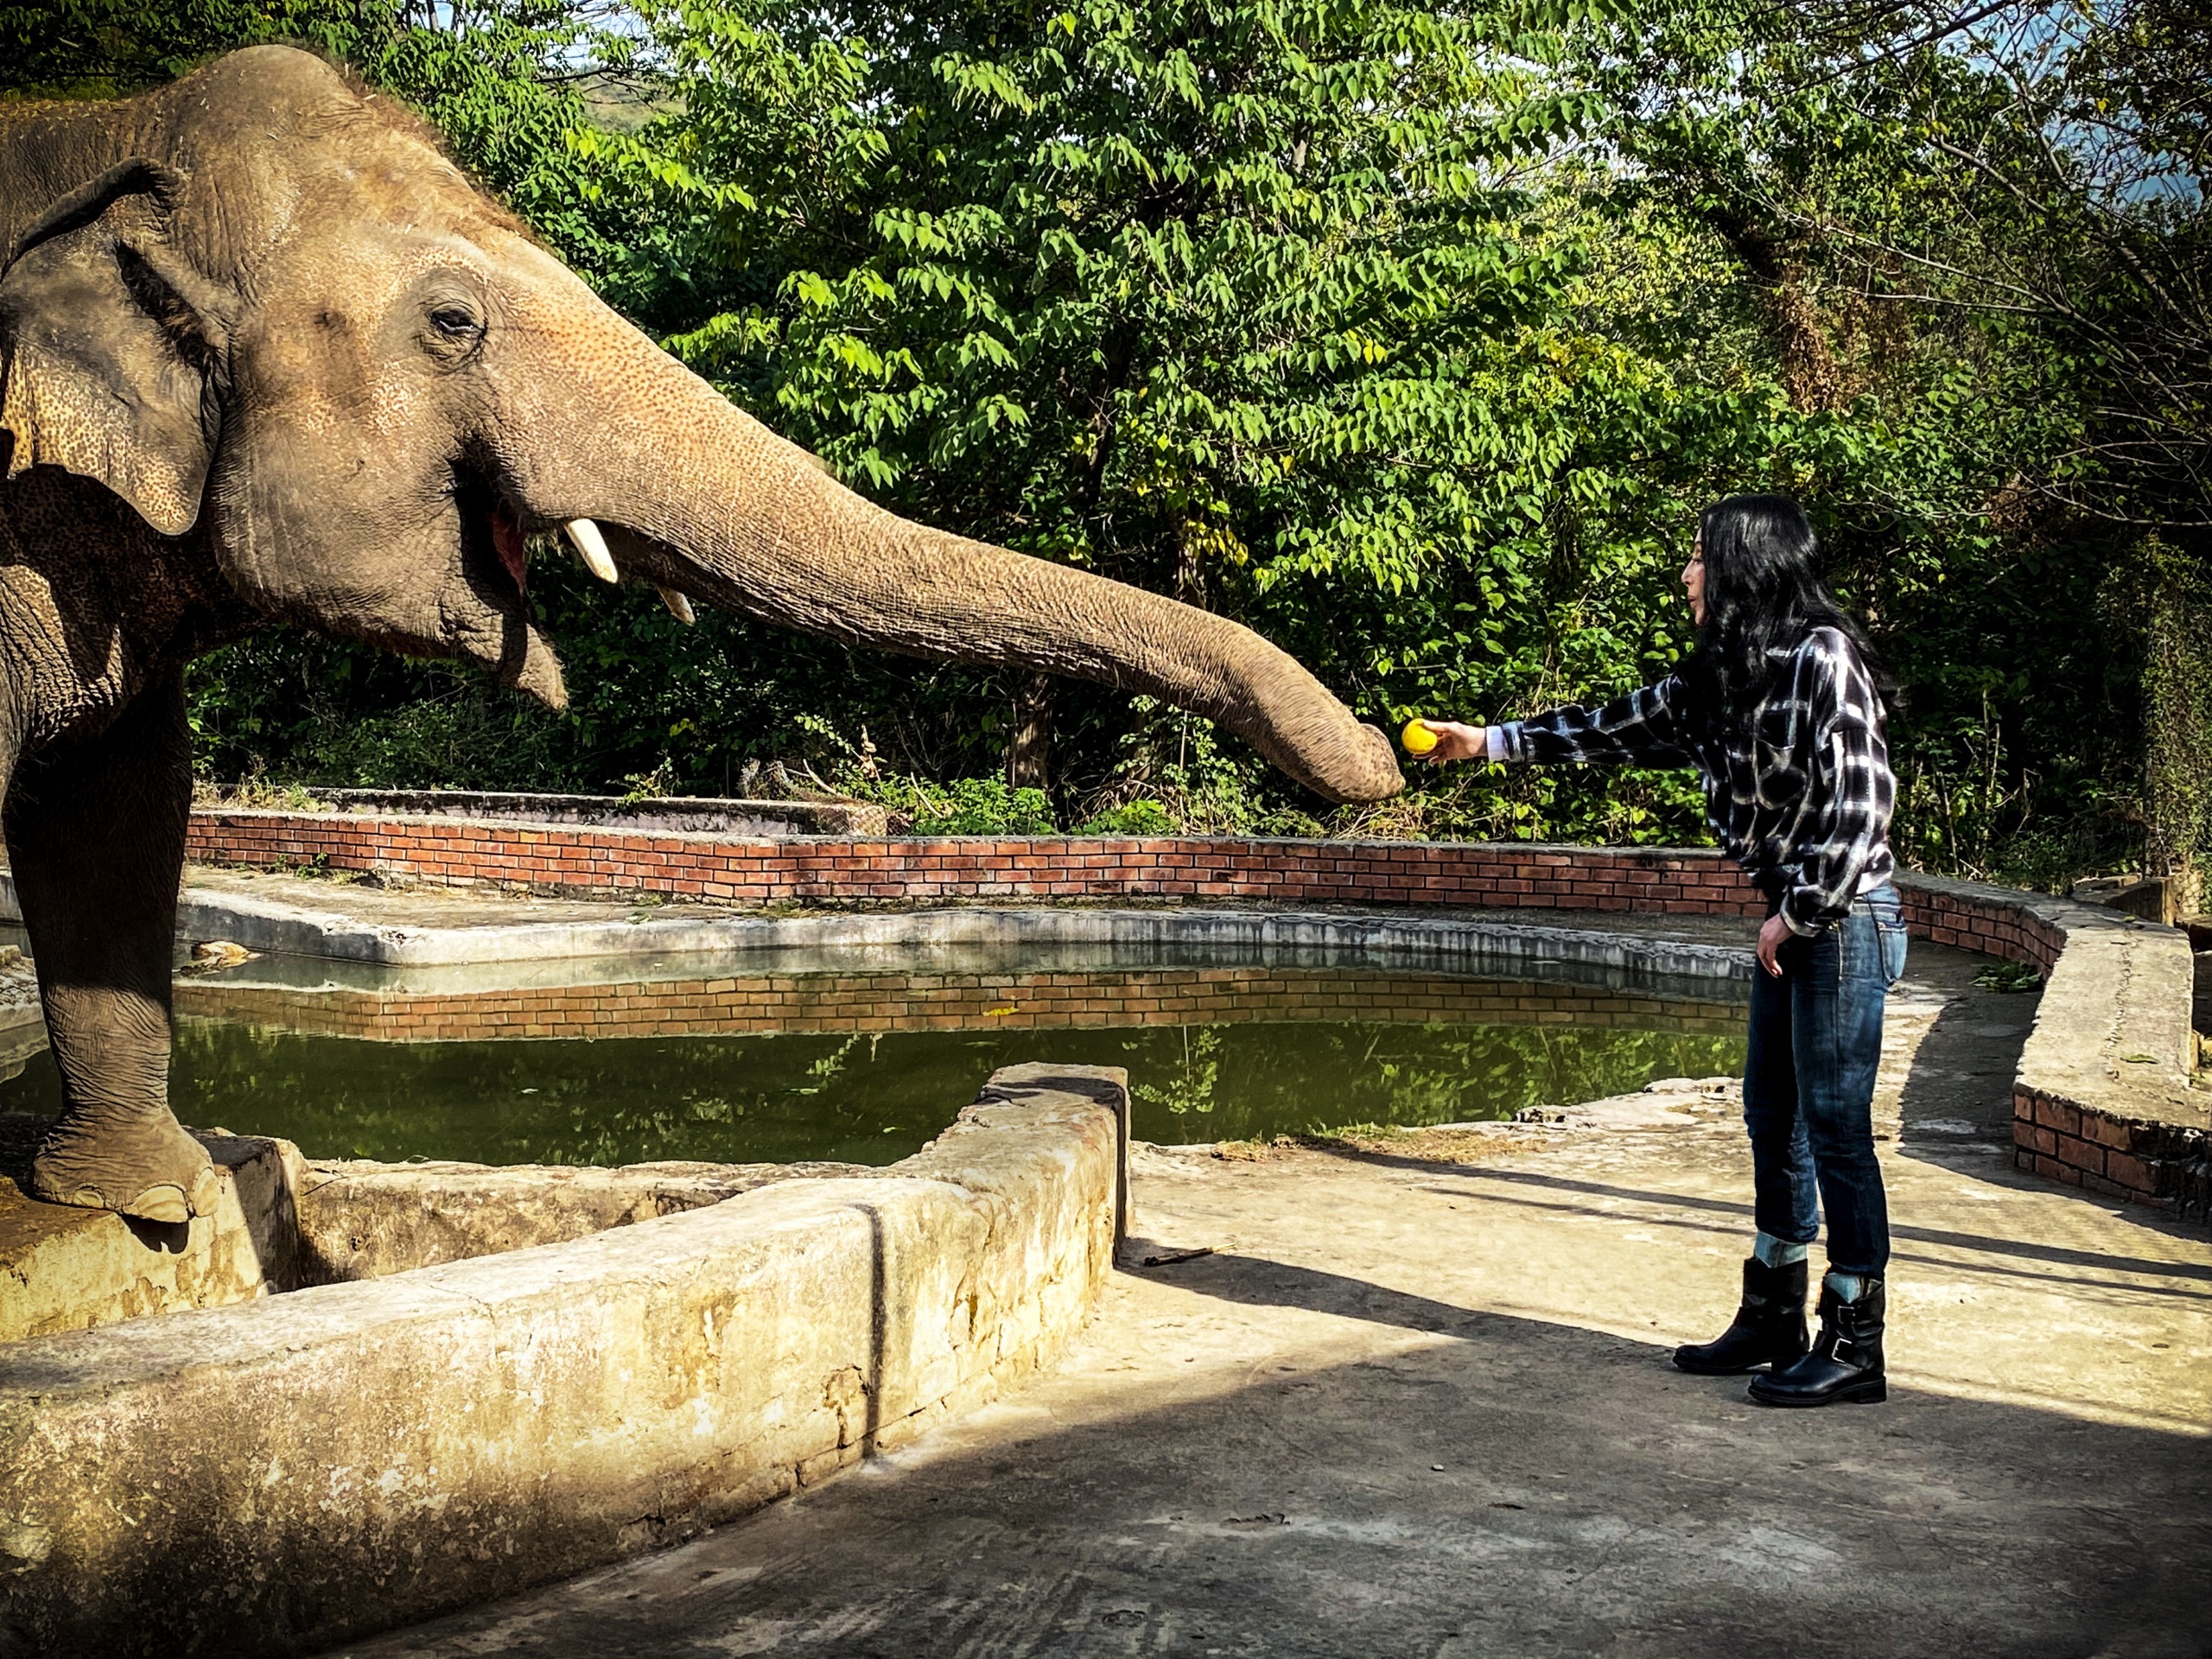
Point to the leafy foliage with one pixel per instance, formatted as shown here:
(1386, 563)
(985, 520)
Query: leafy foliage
(1412, 336)
(2009, 977)
(967, 806)
(1986, 226)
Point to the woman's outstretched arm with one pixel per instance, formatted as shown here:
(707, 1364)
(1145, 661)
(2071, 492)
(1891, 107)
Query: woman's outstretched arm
(1645, 728)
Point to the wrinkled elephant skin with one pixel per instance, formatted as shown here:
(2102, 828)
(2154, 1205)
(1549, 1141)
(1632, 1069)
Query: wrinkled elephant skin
(266, 355)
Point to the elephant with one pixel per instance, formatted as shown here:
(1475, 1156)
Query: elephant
(268, 355)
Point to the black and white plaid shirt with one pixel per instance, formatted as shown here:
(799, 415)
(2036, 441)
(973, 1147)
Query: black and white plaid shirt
(1800, 798)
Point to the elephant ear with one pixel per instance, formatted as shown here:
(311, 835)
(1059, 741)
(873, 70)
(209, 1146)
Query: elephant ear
(111, 347)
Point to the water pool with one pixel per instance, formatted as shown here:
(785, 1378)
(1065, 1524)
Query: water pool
(863, 1062)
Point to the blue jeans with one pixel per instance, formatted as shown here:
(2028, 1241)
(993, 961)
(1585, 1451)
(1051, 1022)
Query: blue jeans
(1808, 1083)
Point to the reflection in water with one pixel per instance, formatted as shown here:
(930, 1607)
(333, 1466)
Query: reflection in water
(805, 1067)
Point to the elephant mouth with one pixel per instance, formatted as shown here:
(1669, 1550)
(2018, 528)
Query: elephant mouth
(489, 617)
(494, 550)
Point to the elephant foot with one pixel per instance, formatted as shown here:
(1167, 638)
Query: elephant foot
(144, 1165)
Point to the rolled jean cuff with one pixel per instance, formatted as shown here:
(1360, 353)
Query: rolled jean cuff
(1774, 1252)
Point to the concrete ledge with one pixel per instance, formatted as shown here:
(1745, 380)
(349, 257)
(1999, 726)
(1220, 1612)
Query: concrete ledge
(22, 1034)
(362, 1220)
(68, 1269)
(2105, 1097)
(282, 1223)
(273, 1478)
(261, 923)
(285, 926)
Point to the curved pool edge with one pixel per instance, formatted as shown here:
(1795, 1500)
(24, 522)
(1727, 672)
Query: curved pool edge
(1380, 936)
(2106, 1097)
(284, 1474)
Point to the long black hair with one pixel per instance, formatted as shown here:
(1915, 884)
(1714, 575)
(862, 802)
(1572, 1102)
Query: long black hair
(1762, 592)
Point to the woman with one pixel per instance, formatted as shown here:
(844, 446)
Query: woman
(1778, 708)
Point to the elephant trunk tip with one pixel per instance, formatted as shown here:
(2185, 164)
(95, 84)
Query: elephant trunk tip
(1371, 773)
(534, 670)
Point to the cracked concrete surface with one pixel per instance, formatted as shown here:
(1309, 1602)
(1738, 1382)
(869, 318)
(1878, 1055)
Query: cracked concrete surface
(1416, 1401)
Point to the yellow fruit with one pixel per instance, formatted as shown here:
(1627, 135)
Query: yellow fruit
(1417, 736)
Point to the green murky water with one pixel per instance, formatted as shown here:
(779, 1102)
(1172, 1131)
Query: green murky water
(875, 1096)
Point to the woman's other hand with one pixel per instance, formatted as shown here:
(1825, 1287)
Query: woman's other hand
(1457, 742)
(1774, 933)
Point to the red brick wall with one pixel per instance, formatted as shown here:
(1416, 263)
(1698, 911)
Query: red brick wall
(2144, 1163)
(2163, 1165)
(703, 870)
(1989, 926)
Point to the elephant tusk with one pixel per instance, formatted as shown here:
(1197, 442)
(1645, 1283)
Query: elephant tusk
(679, 607)
(591, 547)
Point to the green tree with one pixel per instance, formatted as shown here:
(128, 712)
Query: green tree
(1413, 336)
(507, 81)
(1187, 296)
(1972, 235)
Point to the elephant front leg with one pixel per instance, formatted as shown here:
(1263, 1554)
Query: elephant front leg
(96, 838)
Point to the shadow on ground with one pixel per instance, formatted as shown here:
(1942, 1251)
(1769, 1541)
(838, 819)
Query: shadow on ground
(1474, 1482)
(1730, 1219)
(1960, 1088)
(1394, 1413)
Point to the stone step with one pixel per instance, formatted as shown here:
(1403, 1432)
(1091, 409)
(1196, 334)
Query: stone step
(63, 1268)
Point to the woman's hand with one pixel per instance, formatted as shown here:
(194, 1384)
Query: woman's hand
(1774, 933)
(1456, 742)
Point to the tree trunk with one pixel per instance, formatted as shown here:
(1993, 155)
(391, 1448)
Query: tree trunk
(1029, 754)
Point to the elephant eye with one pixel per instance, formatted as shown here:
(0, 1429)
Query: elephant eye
(455, 322)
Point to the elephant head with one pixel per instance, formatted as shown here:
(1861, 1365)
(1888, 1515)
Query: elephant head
(279, 318)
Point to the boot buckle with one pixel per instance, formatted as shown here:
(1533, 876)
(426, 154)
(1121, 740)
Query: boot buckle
(1837, 1345)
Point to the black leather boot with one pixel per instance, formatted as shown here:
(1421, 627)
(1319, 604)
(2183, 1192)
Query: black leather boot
(1769, 1328)
(1844, 1361)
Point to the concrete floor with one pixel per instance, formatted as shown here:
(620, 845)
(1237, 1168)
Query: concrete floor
(1416, 1401)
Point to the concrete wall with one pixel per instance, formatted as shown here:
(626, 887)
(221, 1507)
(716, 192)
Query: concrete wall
(2106, 1096)
(279, 1476)
(361, 1220)
(283, 1222)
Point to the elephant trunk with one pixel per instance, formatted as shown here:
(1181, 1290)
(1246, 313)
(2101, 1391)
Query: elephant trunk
(699, 498)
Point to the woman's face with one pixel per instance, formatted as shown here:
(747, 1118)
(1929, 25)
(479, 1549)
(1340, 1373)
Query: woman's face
(1694, 582)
